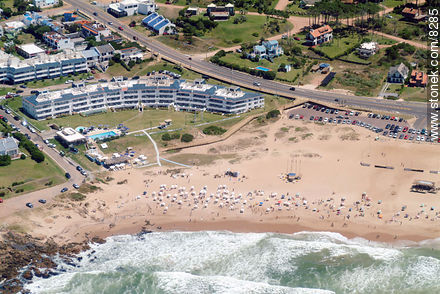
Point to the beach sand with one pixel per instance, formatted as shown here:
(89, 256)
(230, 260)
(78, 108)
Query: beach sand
(328, 197)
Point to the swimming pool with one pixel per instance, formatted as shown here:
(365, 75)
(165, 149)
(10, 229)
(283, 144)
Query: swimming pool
(103, 135)
(263, 68)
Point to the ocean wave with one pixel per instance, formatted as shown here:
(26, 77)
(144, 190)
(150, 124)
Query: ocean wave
(163, 262)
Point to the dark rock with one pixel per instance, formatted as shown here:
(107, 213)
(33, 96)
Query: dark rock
(28, 275)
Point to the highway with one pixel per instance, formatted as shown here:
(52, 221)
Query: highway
(247, 81)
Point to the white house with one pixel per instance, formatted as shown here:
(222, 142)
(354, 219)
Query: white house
(368, 49)
(131, 7)
(9, 146)
(45, 3)
(320, 35)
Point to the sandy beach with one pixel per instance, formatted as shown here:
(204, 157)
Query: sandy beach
(335, 193)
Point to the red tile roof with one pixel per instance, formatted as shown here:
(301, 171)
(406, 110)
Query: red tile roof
(321, 31)
(418, 78)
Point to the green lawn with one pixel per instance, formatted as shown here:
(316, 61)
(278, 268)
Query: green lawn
(236, 59)
(26, 38)
(197, 45)
(35, 175)
(227, 32)
(338, 45)
(393, 3)
(414, 94)
(57, 81)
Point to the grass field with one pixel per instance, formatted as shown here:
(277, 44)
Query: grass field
(338, 45)
(414, 94)
(227, 32)
(393, 3)
(35, 176)
(236, 59)
(26, 38)
(197, 45)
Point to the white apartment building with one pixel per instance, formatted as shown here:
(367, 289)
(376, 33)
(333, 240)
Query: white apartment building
(183, 95)
(14, 71)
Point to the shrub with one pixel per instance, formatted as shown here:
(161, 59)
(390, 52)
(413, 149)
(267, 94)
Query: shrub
(272, 114)
(5, 160)
(187, 138)
(22, 156)
(213, 130)
(166, 137)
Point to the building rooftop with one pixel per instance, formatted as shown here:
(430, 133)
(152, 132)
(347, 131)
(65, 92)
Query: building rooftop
(104, 49)
(89, 53)
(70, 135)
(8, 144)
(369, 46)
(143, 83)
(31, 49)
(321, 31)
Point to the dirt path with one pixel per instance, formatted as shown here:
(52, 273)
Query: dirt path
(282, 4)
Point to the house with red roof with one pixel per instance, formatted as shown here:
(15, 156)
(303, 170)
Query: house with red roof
(320, 35)
(418, 79)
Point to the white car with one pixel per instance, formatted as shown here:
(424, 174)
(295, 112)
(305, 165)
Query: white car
(422, 138)
(325, 119)
(418, 138)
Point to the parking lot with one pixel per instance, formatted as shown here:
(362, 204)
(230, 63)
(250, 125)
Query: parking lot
(385, 125)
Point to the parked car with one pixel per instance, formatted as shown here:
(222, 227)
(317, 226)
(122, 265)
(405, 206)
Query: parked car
(95, 13)
(68, 176)
(121, 28)
(296, 38)
(292, 89)
(30, 205)
(64, 190)
(257, 84)
(76, 186)
(42, 201)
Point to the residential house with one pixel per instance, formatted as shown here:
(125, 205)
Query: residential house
(192, 11)
(367, 49)
(398, 74)
(112, 38)
(45, 3)
(96, 30)
(105, 53)
(159, 24)
(418, 79)
(320, 35)
(413, 14)
(268, 50)
(9, 146)
(31, 18)
(57, 41)
(131, 7)
(220, 13)
(69, 16)
(131, 53)
(307, 3)
(29, 50)
(13, 26)
(92, 57)
(260, 51)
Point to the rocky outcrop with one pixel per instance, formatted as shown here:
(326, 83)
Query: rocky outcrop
(22, 257)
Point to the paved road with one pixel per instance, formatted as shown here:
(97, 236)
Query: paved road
(10, 207)
(246, 80)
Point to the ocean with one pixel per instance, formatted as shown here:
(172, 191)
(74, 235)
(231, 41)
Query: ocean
(254, 263)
